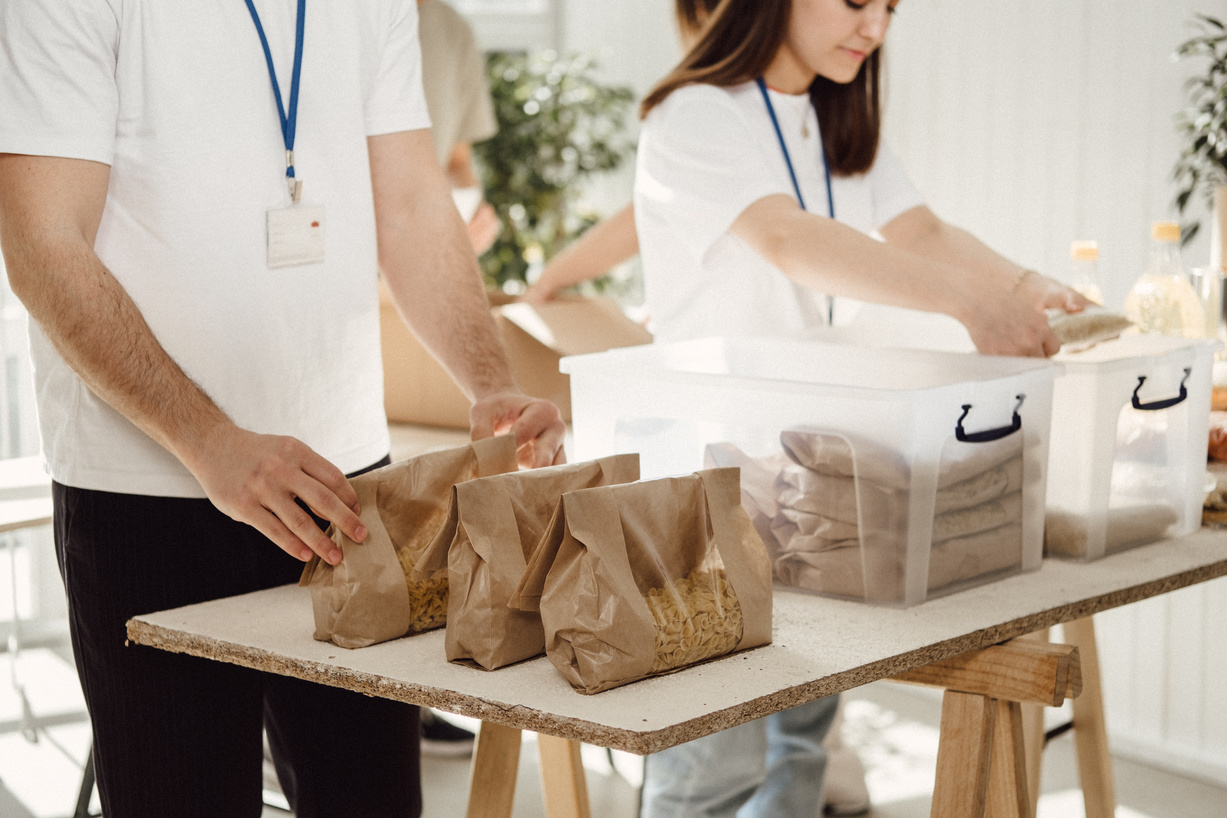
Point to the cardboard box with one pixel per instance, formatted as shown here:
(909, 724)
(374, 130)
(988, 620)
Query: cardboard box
(418, 390)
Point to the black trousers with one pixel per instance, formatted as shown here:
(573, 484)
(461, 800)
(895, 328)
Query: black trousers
(177, 735)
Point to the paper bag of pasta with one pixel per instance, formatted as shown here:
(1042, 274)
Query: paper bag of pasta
(493, 526)
(645, 578)
(370, 596)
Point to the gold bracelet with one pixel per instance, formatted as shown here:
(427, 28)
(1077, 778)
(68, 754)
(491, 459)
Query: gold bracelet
(1018, 279)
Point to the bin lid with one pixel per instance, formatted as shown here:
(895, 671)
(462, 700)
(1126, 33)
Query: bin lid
(805, 362)
(1128, 348)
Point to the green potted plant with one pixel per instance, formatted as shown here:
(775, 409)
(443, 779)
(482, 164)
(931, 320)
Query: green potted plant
(1202, 166)
(557, 125)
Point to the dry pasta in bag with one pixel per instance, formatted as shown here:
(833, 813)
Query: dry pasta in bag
(494, 524)
(370, 596)
(645, 578)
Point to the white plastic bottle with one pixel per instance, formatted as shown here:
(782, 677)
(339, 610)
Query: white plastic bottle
(1084, 270)
(1162, 301)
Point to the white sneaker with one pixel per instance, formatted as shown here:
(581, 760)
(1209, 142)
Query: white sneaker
(845, 793)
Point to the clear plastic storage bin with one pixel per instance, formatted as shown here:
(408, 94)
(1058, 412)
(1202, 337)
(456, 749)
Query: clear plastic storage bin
(1127, 457)
(882, 475)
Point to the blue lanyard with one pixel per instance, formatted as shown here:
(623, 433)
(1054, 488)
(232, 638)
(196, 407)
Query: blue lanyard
(762, 87)
(289, 123)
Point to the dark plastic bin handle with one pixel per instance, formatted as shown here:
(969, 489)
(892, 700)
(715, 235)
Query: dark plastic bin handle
(988, 434)
(1166, 403)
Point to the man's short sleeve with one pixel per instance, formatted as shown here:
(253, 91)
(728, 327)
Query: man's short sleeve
(395, 101)
(57, 78)
(699, 165)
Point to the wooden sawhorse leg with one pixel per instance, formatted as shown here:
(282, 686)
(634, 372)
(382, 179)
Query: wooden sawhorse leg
(1090, 728)
(981, 767)
(496, 760)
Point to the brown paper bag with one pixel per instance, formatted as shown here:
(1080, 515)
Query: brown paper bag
(493, 526)
(645, 578)
(369, 596)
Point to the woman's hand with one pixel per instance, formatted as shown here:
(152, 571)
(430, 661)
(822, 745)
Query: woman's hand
(1048, 294)
(1009, 318)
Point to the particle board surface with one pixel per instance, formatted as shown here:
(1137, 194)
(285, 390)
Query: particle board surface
(821, 646)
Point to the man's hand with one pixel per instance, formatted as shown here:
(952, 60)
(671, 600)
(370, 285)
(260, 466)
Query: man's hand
(537, 425)
(259, 479)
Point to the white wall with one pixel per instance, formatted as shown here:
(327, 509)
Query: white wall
(1035, 123)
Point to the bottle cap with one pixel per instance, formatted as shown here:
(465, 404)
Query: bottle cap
(1084, 250)
(1165, 231)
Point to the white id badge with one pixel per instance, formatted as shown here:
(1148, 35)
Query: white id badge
(295, 236)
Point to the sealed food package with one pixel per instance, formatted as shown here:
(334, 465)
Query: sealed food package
(1078, 331)
(493, 527)
(837, 507)
(644, 578)
(847, 485)
(370, 596)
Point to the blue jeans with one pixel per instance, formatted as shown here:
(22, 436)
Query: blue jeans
(772, 767)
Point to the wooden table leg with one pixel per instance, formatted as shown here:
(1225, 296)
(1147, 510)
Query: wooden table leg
(1033, 739)
(1007, 778)
(496, 760)
(1090, 730)
(963, 755)
(562, 778)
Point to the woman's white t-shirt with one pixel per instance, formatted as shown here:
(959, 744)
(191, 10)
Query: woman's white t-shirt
(705, 155)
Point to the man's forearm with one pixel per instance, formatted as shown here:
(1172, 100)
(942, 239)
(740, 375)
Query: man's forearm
(430, 268)
(84, 311)
(50, 209)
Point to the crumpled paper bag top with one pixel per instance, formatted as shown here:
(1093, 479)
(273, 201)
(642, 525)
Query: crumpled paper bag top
(370, 596)
(493, 527)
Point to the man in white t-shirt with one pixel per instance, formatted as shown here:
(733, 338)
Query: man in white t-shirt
(195, 224)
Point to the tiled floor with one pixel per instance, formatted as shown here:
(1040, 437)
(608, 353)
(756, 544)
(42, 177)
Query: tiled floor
(893, 726)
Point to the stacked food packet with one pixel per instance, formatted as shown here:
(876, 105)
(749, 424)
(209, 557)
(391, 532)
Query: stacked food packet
(834, 511)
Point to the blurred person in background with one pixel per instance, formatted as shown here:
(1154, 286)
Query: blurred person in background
(461, 113)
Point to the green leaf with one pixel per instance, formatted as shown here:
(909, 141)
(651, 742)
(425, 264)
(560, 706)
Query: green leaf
(558, 125)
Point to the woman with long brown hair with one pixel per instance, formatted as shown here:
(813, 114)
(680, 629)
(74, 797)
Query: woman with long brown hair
(760, 177)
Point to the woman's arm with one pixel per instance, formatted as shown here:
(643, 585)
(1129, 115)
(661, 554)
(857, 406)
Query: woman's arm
(605, 245)
(1002, 312)
(921, 232)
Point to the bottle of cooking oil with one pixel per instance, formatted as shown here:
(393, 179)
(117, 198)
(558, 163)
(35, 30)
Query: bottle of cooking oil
(1084, 269)
(1162, 301)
